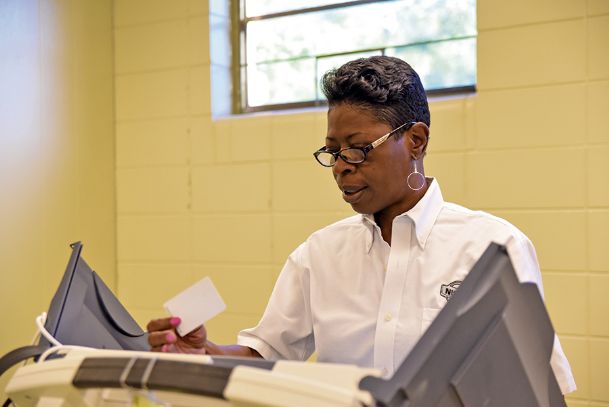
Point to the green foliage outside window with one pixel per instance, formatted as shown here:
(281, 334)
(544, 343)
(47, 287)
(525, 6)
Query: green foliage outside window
(288, 45)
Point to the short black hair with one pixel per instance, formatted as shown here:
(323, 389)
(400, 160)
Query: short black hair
(386, 86)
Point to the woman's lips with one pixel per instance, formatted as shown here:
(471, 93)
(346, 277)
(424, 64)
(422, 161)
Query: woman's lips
(353, 194)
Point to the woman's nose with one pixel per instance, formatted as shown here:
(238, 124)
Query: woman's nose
(342, 167)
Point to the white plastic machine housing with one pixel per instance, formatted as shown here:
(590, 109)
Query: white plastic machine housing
(49, 383)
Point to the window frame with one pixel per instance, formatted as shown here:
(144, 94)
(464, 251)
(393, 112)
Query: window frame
(239, 38)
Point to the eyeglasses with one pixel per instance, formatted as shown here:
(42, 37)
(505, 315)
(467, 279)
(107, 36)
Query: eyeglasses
(354, 155)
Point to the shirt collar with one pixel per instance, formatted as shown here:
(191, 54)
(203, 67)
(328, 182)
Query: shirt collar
(426, 211)
(423, 215)
(368, 220)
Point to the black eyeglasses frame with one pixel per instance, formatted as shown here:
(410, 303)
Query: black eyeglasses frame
(365, 150)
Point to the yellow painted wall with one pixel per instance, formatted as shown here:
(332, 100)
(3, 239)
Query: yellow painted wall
(56, 152)
(231, 198)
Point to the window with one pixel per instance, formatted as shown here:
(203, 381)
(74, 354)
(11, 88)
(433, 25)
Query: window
(285, 46)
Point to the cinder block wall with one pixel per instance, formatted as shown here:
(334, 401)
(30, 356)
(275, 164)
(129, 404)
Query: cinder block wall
(541, 159)
(231, 198)
(56, 153)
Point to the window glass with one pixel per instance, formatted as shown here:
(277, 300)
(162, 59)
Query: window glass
(260, 7)
(286, 55)
(445, 64)
(281, 82)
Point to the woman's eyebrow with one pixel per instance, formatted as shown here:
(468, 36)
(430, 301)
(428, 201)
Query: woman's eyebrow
(348, 138)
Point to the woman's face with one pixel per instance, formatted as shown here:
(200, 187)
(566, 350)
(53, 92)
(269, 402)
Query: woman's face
(379, 183)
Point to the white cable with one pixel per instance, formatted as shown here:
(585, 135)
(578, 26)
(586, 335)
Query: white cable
(36, 337)
(60, 348)
(123, 378)
(57, 346)
(40, 321)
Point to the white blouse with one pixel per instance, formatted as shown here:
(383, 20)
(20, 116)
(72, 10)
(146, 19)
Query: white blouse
(352, 298)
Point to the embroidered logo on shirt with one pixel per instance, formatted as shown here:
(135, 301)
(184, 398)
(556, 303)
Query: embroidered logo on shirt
(447, 290)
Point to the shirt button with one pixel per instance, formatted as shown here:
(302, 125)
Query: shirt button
(388, 317)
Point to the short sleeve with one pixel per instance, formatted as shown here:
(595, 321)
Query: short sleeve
(285, 330)
(524, 259)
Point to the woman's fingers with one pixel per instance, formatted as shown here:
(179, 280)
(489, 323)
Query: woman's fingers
(160, 338)
(160, 324)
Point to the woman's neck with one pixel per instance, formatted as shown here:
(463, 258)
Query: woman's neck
(384, 218)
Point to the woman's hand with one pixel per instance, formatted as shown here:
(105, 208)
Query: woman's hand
(162, 337)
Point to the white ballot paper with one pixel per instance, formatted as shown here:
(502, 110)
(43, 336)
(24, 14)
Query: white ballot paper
(195, 305)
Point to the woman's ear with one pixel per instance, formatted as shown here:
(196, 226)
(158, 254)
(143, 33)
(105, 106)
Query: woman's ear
(419, 138)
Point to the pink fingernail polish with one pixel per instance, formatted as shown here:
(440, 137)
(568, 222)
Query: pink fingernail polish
(175, 321)
(164, 348)
(170, 338)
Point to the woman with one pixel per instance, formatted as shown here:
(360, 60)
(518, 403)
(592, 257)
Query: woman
(363, 290)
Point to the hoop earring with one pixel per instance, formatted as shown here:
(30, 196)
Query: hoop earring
(416, 174)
